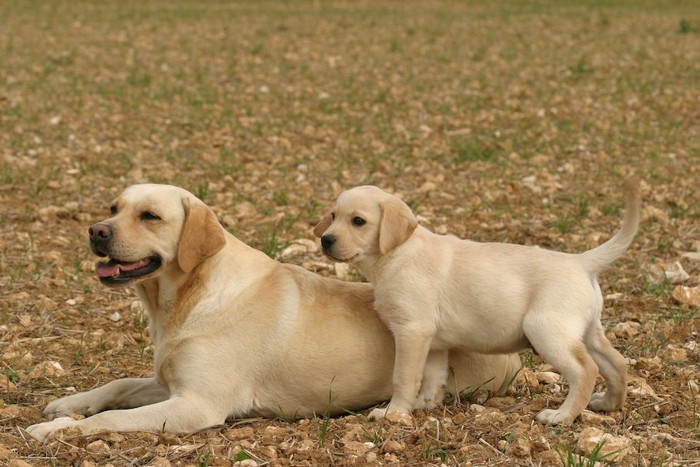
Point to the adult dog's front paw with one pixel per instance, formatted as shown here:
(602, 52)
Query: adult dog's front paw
(81, 404)
(41, 431)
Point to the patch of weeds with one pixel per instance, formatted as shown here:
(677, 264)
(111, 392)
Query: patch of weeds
(142, 351)
(663, 247)
(430, 452)
(686, 27)
(269, 242)
(139, 78)
(241, 456)
(325, 421)
(570, 459)
(413, 204)
(470, 151)
(581, 69)
(375, 434)
(203, 460)
(12, 375)
(611, 209)
(257, 49)
(312, 209)
(660, 289)
(467, 395)
(571, 220)
(694, 405)
(280, 197)
(680, 315)
(527, 357)
(202, 191)
(79, 352)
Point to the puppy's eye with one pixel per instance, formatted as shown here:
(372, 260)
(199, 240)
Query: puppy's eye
(149, 216)
(358, 221)
(113, 209)
(332, 216)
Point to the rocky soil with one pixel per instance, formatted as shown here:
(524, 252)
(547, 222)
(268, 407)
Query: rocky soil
(509, 121)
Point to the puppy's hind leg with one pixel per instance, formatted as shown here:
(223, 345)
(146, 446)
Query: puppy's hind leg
(434, 379)
(560, 343)
(612, 366)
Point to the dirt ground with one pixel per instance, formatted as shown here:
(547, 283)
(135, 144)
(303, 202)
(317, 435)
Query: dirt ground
(496, 121)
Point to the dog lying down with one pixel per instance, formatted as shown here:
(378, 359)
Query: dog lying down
(236, 334)
(438, 293)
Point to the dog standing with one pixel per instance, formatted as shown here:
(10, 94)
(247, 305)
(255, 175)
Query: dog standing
(236, 333)
(437, 292)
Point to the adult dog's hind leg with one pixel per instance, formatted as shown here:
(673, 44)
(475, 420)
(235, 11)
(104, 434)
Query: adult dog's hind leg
(612, 366)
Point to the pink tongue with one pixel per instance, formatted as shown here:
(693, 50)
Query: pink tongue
(107, 269)
(113, 269)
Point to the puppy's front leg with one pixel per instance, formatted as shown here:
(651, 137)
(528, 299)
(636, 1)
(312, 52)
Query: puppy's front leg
(432, 388)
(411, 353)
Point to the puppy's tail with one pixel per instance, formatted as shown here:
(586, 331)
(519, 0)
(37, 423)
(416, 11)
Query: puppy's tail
(599, 258)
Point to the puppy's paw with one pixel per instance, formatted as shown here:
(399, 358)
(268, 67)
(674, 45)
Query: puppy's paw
(392, 416)
(601, 402)
(429, 398)
(41, 431)
(554, 417)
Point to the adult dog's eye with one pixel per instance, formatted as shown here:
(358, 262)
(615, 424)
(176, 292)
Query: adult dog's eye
(332, 216)
(149, 216)
(358, 221)
(113, 209)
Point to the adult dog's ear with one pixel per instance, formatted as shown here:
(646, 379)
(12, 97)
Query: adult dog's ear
(396, 225)
(202, 235)
(323, 224)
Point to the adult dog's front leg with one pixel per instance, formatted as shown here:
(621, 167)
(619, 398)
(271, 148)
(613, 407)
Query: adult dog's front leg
(120, 394)
(411, 353)
(176, 415)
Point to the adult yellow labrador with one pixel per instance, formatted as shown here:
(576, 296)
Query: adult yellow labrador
(438, 292)
(236, 333)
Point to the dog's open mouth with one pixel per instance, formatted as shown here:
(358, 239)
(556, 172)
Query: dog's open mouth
(115, 272)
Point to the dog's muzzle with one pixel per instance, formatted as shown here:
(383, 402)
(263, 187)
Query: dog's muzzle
(327, 242)
(101, 236)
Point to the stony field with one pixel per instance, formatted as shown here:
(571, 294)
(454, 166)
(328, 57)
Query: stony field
(496, 121)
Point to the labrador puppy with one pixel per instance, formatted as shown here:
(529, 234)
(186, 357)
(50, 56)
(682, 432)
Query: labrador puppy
(438, 292)
(236, 334)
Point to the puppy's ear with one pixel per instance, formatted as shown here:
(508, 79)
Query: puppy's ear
(396, 225)
(322, 225)
(202, 235)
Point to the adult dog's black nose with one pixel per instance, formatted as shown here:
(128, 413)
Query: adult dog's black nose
(100, 237)
(327, 241)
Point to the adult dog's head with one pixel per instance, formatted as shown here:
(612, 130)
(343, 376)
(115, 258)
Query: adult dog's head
(365, 222)
(153, 229)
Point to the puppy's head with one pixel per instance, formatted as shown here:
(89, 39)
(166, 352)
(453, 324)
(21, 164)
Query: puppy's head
(364, 222)
(154, 228)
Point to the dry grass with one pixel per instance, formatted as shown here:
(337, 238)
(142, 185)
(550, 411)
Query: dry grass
(499, 121)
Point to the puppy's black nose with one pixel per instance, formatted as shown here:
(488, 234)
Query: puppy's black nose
(100, 237)
(327, 241)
